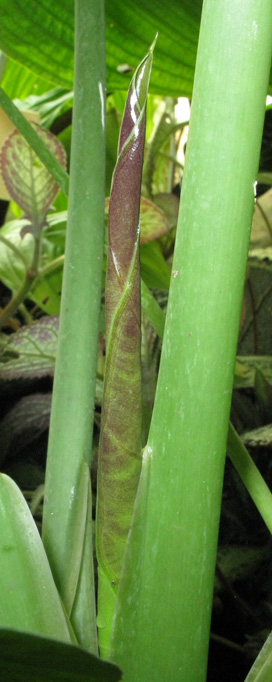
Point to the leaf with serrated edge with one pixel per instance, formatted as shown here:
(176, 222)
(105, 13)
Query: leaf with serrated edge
(27, 180)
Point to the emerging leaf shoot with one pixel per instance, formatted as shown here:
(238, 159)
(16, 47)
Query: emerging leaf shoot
(120, 440)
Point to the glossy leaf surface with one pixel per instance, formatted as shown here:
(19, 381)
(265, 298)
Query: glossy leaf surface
(46, 45)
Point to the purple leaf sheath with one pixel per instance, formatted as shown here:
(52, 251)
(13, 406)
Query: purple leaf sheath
(120, 439)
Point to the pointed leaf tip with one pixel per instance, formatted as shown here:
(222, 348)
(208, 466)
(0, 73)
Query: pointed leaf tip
(140, 80)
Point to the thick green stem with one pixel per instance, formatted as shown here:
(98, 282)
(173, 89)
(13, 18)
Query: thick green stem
(163, 616)
(70, 441)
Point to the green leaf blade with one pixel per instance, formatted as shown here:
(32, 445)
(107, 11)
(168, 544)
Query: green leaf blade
(261, 670)
(29, 598)
(36, 659)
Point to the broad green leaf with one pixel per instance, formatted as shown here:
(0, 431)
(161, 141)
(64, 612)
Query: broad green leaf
(155, 270)
(261, 670)
(19, 82)
(152, 310)
(29, 598)
(27, 180)
(46, 290)
(26, 657)
(112, 137)
(13, 263)
(120, 438)
(46, 44)
(159, 158)
(48, 105)
(16, 252)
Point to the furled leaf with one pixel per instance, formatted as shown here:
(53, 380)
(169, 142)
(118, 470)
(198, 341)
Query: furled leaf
(45, 44)
(25, 657)
(29, 598)
(120, 438)
(27, 180)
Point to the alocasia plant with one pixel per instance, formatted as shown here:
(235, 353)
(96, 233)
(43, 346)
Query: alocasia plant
(162, 622)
